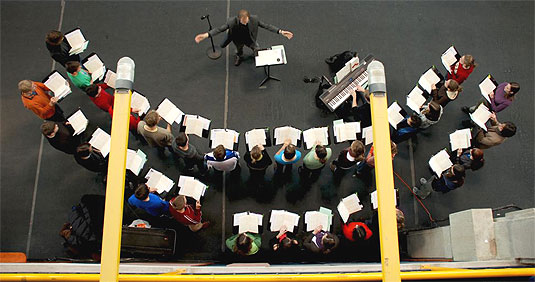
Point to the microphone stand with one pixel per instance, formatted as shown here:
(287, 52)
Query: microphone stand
(212, 52)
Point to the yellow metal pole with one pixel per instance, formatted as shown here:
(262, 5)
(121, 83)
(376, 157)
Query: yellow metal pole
(372, 276)
(388, 232)
(113, 216)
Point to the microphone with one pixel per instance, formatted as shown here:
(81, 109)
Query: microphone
(204, 17)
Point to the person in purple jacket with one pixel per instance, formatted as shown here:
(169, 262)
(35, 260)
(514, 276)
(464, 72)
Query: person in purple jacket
(500, 99)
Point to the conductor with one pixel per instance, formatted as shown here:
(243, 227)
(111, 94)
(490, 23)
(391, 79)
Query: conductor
(242, 30)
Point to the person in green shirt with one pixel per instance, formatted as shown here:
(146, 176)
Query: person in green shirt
(79, 77)
(314, 162)
(244, 244)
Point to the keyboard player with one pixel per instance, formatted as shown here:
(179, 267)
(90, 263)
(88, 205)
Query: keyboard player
(360, 112)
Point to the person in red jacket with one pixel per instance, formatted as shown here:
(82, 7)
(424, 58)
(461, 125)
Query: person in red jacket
(462, 69)
(97, 93)
(186, 214)
(355, 231)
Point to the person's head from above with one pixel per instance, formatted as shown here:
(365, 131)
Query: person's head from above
(453, 86)
(457, 171)
(414, 121)
(467, 61)
(512, 88)
(26, 87)
(476, 154)
(287, 243)
(152, 118)
(92, 90)
(393, 148)
(84, 150)
(321, 153)
(181, 139)
(400, 219)
(243, 244)
(359, 233)
(49, 129)
(256, 153)
(179, 203)
(54, 37)
(220, 152)
(73, 67)
(357, 149)
(289, 152)
(328, 242)
(507, 129)
(243, 16)
(142, 192)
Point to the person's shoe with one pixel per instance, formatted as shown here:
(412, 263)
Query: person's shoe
(237, 60)
(205, 225)
(465, 110)
(423, 181)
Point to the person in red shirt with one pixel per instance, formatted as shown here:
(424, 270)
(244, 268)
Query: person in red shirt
(462, 69)
(97, 93)
(186, 214)
(355, 231)
(35, 97)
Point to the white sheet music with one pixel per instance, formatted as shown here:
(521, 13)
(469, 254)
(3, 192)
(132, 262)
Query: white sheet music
(110, 78)
(460, 139)
(280, 47)
(58, 85)
(353, 63)
(138, 101)
(315, 218)
(247, 222)
(449, 58)
(77, 41)
(394, 115)
(286, 132)
(96, 67)
(428, 79)
(225, 137)
(313, 135)
(196, 124)
(158, 180)
(375, 202)
(367, 135)
(169, 112)
(280, 217)
(342, 73)
(440, 162)
(349, 205)
(269, 57)
(101, 140)
(415, 99)
(135, 160)
(487, 86)
(255, 137)
(481, 115)
(191, 187)
(345, 131)
(78, 122)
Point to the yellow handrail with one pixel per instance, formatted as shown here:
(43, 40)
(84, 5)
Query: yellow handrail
(372, 276)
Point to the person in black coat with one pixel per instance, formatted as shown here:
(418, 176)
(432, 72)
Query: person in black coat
(59, 48)
(60, 136)
(242, 30)
(90, 158)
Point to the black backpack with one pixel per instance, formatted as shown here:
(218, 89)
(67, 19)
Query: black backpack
(81, 230)
(338, 61)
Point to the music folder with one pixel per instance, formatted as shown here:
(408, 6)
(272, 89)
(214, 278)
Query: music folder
(101, 140)
(315, 218)
(169, 112)
(367, 135)
(109, 78)
(135, 160)
(416, 99)
(481, 115)
(191, 187)
(280, 134)
(395, 114)
(94, 65)
(57, 83)
(345, 131)
(276, 55)
(227, 137)
(259, 136)
(487, 86)
(78, 121)
(316, 135)
(450, 57)
(281, 217)
(460, 139)
(440, 162)
(140, 102)
(195, 124)
(429, 78)
(77, 41)
(247, 221)
(158, 180)
(349, 205)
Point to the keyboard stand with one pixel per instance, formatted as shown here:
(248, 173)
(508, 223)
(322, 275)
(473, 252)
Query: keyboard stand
(268, 76)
